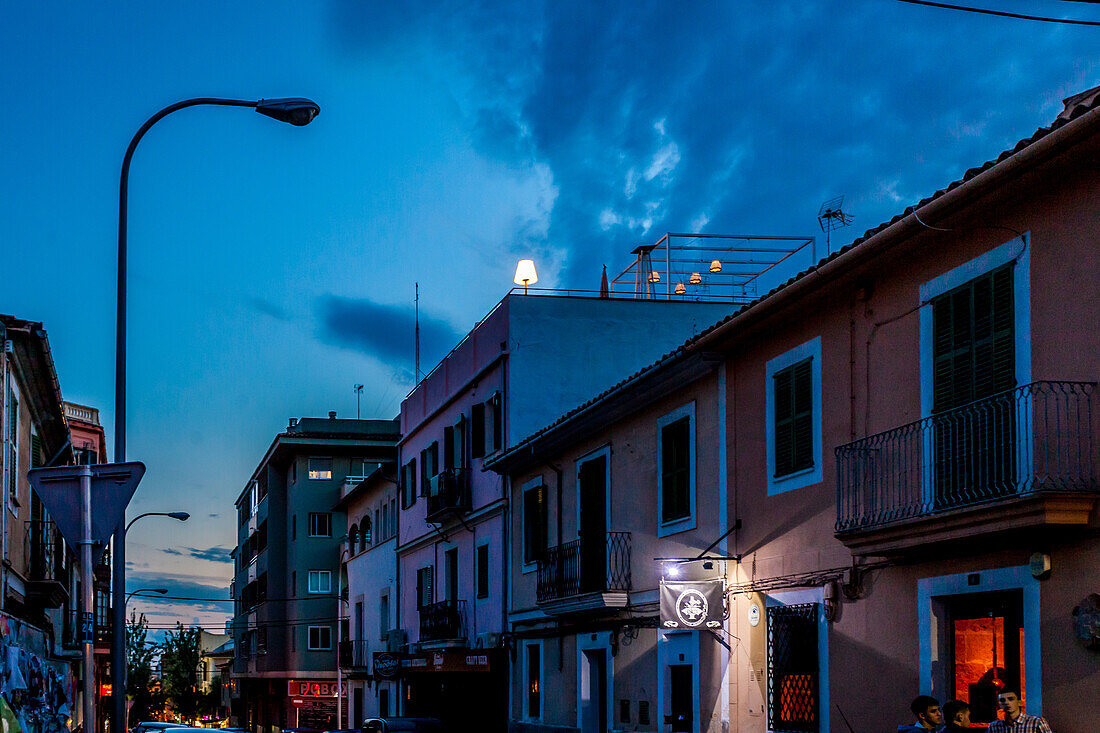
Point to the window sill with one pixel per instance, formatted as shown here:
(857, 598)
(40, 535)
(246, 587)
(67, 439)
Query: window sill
(797, 480)
(676, 526)
(529, 567)
(793, 475)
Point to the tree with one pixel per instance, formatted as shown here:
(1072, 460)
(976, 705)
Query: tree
(139, 670)
(179, 660)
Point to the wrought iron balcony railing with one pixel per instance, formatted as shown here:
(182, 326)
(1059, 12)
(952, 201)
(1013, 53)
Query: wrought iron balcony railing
(355, 653)
(597, 565)
(1035, 438)
(443, 620)
(449, 492)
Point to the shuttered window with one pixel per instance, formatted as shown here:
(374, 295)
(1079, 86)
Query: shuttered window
(676, 470)
(36, 452)
(424, 587)
(535, 521)
(477, 430)
(973, 341)
(13, 443)
(794, 418)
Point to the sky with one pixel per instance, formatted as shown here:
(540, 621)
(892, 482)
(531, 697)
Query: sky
(271, 267)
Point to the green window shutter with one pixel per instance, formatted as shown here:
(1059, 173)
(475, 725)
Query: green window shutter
(794, 418)
(36, 452)
(676, 470)
(973, 341)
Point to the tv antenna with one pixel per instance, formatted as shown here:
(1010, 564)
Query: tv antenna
(358, 394)
(832, 216)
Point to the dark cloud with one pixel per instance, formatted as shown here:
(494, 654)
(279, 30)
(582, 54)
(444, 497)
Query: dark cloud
(386, 332)
(178, 586)
(213, 554)
(738, 117)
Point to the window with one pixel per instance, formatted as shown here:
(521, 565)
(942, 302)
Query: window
(366, 538)
(494, 428)
(384, 527)
(477, 430)
(320, 581)
(253, 499)
(320, 524)
(461, 439)
(429, 466)
(261, 640)
(532, 684)
(293, 526)
(793, 417)
(535, 522)
(424, 587)
(408, 484)
(13, 443)
(384, 615)
(676, 470)
(448, 447)
(483, 571)
(793, 668)
(320, 638)
(36, 450)
(320, 468)
(293, 583)
(353, 539)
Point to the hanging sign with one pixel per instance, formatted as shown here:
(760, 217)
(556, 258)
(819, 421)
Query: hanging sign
(691, 605)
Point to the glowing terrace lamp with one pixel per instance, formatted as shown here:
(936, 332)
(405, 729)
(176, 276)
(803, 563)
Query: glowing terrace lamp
(525, 274)
(715, 266)
(654, 277)
(695, 278)
(680, 289)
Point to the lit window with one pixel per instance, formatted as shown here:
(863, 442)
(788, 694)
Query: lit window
(320, 468)
(320, 581)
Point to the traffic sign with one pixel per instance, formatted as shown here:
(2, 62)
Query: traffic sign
(113, 484)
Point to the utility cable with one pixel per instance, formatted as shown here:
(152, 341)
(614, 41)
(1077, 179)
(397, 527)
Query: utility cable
(1001, 13)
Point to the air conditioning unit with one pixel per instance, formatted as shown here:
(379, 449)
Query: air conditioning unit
(395, 639)
(489, 640)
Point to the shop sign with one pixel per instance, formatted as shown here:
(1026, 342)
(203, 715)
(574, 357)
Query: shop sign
(311, 688)
(386, 665)
(691, 605)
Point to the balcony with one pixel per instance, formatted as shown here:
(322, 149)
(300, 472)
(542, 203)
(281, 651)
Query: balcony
(70, 636)
(1018, 459)
(448, 493)
(585, 575)
(443, 622)
(48, 567)
(355, 655)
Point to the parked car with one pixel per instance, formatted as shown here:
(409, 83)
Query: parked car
(416, 725)
(154, 726)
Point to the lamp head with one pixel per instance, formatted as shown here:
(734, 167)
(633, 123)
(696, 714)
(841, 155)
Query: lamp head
(298, 111)
(525, 273)
(182, 516)
(162, 591)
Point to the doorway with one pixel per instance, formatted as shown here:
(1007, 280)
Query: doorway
(985, 648)
(681, 697)
(592, 523)
(593, 691)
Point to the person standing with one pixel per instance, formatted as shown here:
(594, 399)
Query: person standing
(956, 716)
(1015, 720)
(927, 711)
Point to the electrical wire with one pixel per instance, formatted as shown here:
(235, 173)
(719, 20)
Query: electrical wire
(1001, 13)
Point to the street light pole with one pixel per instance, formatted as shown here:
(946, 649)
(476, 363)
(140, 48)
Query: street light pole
(296, 111)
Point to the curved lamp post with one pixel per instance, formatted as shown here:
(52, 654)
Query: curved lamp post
(131, 594)
(296, 111)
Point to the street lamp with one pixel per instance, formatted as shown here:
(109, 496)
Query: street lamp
(132, 593)
(296, 111)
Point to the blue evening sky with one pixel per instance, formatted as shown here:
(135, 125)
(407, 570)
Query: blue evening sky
(273, 267)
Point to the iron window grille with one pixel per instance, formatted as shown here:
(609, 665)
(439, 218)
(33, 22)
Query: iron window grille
(793, 669)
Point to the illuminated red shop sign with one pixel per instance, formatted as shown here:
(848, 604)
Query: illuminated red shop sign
(310, 688)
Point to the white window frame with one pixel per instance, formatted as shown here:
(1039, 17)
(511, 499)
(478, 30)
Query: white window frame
(309, 640)
(311, 471)
(931, 634)
(319, 574)
(310, 517)
(685, 523)
(794, 598)
(529, 567)
(527, 643)
(814, 474)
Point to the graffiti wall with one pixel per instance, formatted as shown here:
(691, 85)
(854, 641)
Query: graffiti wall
(37, 693)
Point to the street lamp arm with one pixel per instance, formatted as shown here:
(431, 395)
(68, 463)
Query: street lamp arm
(182, 516)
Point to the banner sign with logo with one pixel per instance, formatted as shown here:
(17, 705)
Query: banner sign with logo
(690, 605)
(388, 665)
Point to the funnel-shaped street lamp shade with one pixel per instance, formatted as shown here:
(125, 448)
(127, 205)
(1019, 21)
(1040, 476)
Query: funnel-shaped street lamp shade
(182, 516)
(696, 278)
(297, 111)
(680, 289)
(654, 277)
(525, 273)
(715, 266)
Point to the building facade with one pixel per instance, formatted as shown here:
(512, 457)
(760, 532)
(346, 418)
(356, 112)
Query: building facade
(287, 560)
(370, 570)
(508, 377)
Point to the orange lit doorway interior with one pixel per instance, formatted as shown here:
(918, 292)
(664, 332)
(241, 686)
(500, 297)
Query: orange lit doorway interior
(986, 650)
